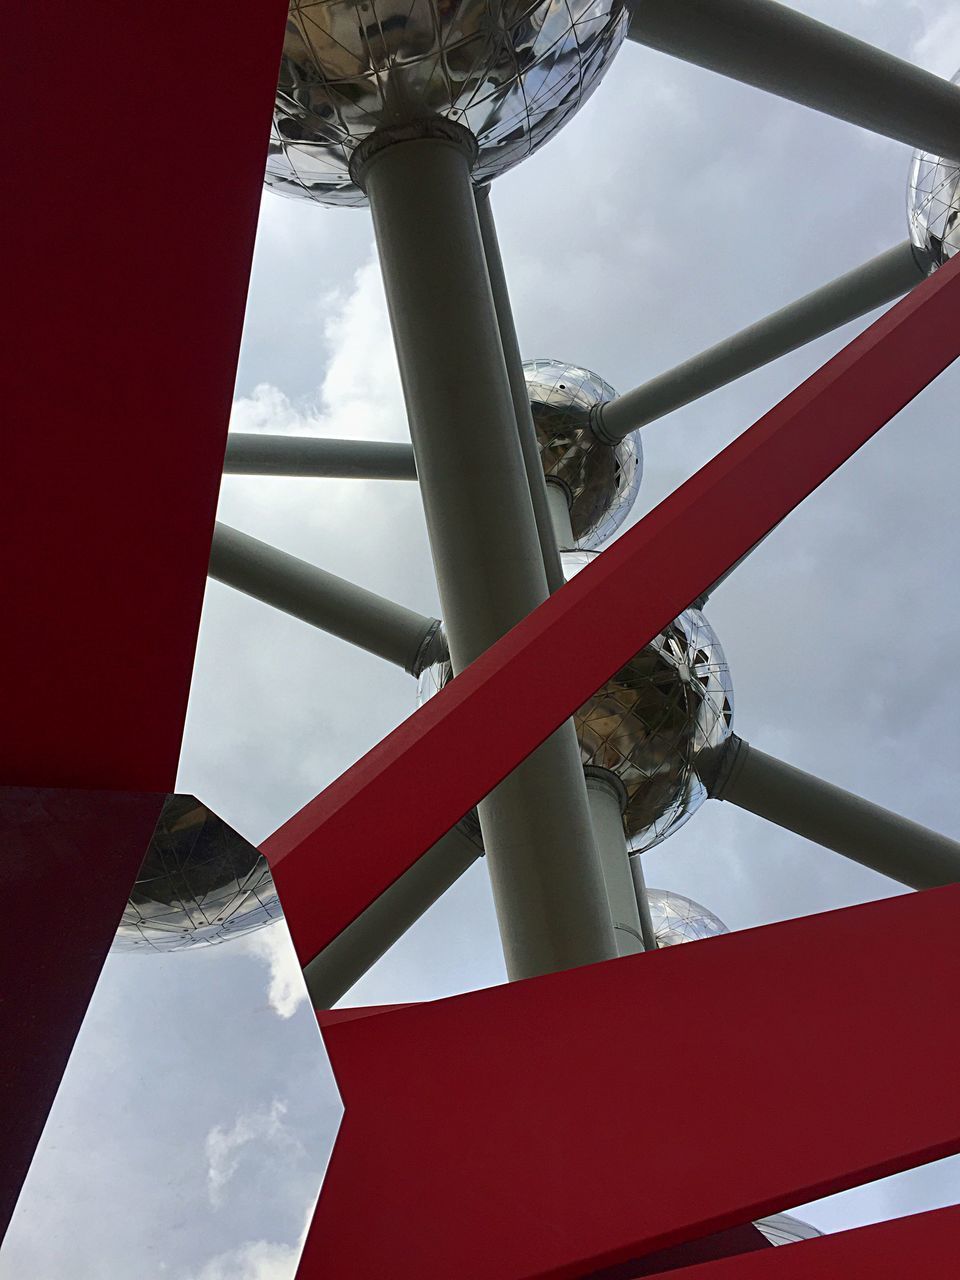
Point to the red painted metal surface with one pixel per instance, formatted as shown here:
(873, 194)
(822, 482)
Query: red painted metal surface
(529, 1131)
(133, 167)
(68, 861)
(925, 1246)
(722, 1244)
(329, 861)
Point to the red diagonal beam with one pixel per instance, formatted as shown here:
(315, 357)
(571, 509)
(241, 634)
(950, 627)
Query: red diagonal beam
(528, 1131)
(330, 860)
(133, 166)
(137, 138)
(924, 1246)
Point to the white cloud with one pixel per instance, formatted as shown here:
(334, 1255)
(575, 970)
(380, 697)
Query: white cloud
(287, 990)
(256, 1260)
(225, 1147)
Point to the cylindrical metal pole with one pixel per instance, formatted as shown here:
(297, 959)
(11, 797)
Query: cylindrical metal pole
(874, 837)
(250, 454)
(606, 811)
(784, 52)
(878, 281)
(367, 620)
(558, 505)
(344, 962)
(647, 931)
(518, 389)
(541, 853)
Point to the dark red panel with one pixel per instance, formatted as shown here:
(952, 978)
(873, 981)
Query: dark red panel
(722, 1244)
(136, 137)
(67, 861)
(528, 1131)
(925, 1246)
(329, 860)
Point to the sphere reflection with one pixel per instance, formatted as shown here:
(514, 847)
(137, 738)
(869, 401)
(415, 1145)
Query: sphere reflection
(677, 919)
(933, 206)
(654, 723)
(511, 72)
(200, 883)
(601, 481)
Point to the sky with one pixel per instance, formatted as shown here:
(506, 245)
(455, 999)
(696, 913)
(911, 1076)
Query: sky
(189, 1138)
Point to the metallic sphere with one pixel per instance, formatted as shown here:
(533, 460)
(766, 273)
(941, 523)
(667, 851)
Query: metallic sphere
(600, 481)
(784, 1228)
(510, 72)
(933, 206)
(677, 919)
(200, 883)
(654, 724)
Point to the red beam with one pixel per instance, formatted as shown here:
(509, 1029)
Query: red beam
(528, 1131)
(925, 1246)
(330, 860)
(133, 168)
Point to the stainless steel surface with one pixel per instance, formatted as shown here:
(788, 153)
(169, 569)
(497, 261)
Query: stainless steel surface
(511, 73)
(518, 390)
(605, 797)
(343, 609)
(541, 853)
(601, 480)
(200, 883)
(933, 206)
(677, 919)
(252, 454)
(848, 824)
(344, 962)
(784, 1228)
(784, 52)
(867, 287)
(647, 930)
(654, 724)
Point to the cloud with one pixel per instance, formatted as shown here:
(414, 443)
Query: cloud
(257, 1259)
(287, 990)
(225, 1147)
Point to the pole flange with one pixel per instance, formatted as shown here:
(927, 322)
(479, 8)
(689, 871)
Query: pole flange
(427, 128)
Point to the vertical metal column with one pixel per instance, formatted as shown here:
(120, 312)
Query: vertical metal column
(518, 389)
(542, 855)
(606, 811)
(559, 506)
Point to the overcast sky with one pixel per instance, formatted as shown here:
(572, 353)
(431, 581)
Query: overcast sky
(189, 1138)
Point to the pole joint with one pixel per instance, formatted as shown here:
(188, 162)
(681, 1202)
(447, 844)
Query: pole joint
(720, 771)
(425, 129)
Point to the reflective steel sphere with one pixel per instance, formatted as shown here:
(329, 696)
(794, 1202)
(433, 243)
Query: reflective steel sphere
(784, 1228)
(510, 72)
(677, 919)
(200, 883)
(933, 206)
(601, 482)
(653, 724)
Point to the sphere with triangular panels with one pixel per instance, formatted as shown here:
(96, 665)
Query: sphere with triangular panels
(600, 481)
(200, 883)
(677, 919)
(933, 206)
(509, 71)
(656, 723)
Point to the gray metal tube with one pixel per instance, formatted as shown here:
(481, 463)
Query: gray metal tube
(647, 931)
(559, 507)
(874, 837)
(541, 853)
(518, 389)
(250, 454)
(878, 281)
(367, 620)
(784, 52)
(344, 962)
(606, 812)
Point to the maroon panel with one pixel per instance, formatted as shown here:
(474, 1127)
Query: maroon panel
(527, 1131)
(329, 861)
(723, 1244)
(133, 165)
(67, 861)
(925, 1246)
